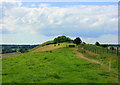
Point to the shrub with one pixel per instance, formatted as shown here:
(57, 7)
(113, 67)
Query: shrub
(77, 41)
(23, 50)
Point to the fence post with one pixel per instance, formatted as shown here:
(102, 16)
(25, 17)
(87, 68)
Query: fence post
(110, 64)
(117, 51)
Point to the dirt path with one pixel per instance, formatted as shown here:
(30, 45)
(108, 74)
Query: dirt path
(80, 55)
(104, 67)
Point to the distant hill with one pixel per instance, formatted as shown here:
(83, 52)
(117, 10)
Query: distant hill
(17, 45)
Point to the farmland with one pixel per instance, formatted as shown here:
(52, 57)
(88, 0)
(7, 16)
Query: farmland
(14, 48)
(60, 64)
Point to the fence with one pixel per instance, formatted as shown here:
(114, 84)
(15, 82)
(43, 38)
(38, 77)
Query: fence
(99, 49)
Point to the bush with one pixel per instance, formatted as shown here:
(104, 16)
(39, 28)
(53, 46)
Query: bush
(61, 39)
(23, 50)
(97, 43)
(77, 41)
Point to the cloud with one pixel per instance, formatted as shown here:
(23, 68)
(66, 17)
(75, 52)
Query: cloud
(104, 39)
(9, 0)
(33, 5)
(84, 21)
(44, 5)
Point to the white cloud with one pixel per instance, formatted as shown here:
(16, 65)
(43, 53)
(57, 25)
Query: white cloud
(44, 5)
(33, 32)
(1, 25)
(9, 0)
(33, 5)
(104, 39)
(85, 21)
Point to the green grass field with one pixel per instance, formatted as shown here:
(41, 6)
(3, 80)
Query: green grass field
(58, 66)
(105, 58)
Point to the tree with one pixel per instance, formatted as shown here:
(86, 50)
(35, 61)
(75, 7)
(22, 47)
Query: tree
(97, 43)
(77, 41)
(105, 45)
(84, 43)
(61, 39)
(23, 50)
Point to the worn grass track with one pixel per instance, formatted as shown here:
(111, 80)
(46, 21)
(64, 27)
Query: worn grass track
(80, 55)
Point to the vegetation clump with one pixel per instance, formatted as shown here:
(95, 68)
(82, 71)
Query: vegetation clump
(23, 50)
(61, 39)
(97, 44)
(77, 41)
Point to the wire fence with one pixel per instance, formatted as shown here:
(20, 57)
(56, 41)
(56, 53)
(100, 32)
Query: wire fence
(99, 49)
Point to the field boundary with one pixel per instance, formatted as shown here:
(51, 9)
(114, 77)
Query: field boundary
(80, 55)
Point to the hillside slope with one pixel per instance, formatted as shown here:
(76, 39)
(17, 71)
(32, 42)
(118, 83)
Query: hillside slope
(58, 66)
(51, 47)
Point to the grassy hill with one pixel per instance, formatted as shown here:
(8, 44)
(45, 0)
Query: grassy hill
(59, 64)
(51, 47)
(41, 45)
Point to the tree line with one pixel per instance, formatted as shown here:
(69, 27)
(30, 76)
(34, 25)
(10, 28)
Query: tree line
(16, 48)
(61, 39)
(77, 40)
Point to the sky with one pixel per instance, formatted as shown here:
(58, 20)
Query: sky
(36, 22)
